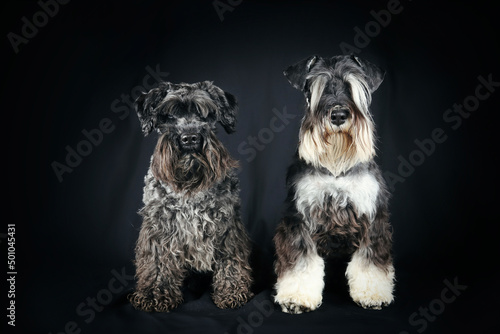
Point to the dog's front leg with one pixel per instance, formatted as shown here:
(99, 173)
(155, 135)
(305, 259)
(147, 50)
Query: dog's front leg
(370, 272)
(159, 272)
(299, 268)
(232, 277)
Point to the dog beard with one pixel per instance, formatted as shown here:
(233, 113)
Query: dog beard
(191, 171)
(336, 148)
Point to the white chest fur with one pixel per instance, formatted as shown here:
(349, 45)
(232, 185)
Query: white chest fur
(359, 190)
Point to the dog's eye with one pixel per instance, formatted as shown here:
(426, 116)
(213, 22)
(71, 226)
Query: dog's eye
(166, 118)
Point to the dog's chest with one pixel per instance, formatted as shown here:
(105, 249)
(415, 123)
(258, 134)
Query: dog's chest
(191, 227)
(319, 191)
(200, 225)
(196, 229)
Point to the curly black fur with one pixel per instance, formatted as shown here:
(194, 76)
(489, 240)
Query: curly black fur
(191, 219)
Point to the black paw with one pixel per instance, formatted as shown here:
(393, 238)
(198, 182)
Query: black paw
(225, 301)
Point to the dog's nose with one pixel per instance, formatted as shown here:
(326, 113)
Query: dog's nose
(190, 139)
(339, 116)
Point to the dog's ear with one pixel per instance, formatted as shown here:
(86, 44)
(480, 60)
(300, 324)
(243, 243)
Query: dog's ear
(374, 74)
(146, 104)
(227, 106)
(297, 73)
(227, 114)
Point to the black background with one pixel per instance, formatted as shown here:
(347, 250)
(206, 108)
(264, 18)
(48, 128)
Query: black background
(72, 236)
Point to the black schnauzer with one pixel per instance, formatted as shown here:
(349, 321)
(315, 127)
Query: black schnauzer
(191, 219)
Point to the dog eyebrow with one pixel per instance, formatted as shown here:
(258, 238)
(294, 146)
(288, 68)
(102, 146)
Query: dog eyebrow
(204, 105)
(168, 104)
(360, 92)
(317, 88)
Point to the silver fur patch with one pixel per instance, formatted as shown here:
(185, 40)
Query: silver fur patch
(190, 220)
(360, 190)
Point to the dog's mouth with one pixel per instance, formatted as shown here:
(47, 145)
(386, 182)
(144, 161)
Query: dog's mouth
(190, 149)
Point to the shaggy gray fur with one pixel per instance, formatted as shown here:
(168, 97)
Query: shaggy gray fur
(191, 219)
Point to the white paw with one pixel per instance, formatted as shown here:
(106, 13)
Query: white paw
(370, 286)
(371, 299)
(300, 289)
(298, 303)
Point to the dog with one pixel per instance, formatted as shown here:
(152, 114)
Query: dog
(337, 200)
(191, 220)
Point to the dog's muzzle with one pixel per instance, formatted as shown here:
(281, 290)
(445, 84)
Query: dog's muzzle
(190, 141)
(339, 115)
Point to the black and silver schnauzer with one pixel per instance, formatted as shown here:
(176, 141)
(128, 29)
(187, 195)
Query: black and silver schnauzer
(191, 219)
(337, 200)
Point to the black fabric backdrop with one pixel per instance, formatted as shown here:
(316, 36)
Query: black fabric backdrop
(81, 65)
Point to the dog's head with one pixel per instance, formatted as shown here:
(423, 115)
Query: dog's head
(337, 131)
(188, 155)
